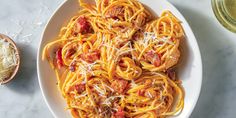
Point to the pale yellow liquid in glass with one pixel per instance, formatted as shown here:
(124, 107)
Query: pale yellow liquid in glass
(225, 12)
(230, 7)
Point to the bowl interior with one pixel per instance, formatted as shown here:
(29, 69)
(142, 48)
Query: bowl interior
(189, 68)
(8, 39)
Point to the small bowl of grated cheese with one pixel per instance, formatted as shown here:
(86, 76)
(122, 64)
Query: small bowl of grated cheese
(9, 59)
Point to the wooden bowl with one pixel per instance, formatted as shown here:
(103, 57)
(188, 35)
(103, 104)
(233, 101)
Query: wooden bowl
(7, 39)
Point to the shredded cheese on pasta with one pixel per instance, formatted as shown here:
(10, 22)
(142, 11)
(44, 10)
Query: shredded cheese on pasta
(113, 60)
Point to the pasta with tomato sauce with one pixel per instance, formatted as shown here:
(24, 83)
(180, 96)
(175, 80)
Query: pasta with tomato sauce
(115, 59)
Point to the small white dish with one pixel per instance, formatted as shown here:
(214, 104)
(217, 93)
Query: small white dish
(189, 69)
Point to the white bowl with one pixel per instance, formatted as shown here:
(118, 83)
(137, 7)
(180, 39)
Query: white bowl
(189, 69)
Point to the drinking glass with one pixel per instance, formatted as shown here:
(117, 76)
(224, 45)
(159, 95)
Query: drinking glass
(225, 12)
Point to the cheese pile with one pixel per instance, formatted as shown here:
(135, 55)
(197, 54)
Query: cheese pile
(8, 59)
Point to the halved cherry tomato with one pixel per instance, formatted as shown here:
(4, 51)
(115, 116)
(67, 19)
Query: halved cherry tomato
(83, 26)
(59, 60)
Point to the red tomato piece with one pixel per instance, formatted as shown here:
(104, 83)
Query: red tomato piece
(90, 57)
(119, 85)
(154, 58)
(59, 60)
(80, 88)
(83, 25)
(120, 113)
(141, 92)
(70, 52)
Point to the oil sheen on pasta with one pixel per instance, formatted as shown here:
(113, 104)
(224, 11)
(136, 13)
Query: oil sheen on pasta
(115, 60)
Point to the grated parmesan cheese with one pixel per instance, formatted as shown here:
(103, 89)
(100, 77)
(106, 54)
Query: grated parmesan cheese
(8, 59)
(149, 37)
(107, 101)
(80, 96)
(102, 92)
(133, 84)
(149, 94)
(109, 87)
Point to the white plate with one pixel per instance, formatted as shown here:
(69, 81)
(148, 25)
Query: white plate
(190, 67)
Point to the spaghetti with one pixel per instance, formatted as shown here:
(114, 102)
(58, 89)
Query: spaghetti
(114, 59)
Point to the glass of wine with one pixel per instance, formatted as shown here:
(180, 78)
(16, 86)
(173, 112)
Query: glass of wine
(225, 12)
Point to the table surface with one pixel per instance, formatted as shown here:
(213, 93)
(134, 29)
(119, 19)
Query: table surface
(24, 21)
